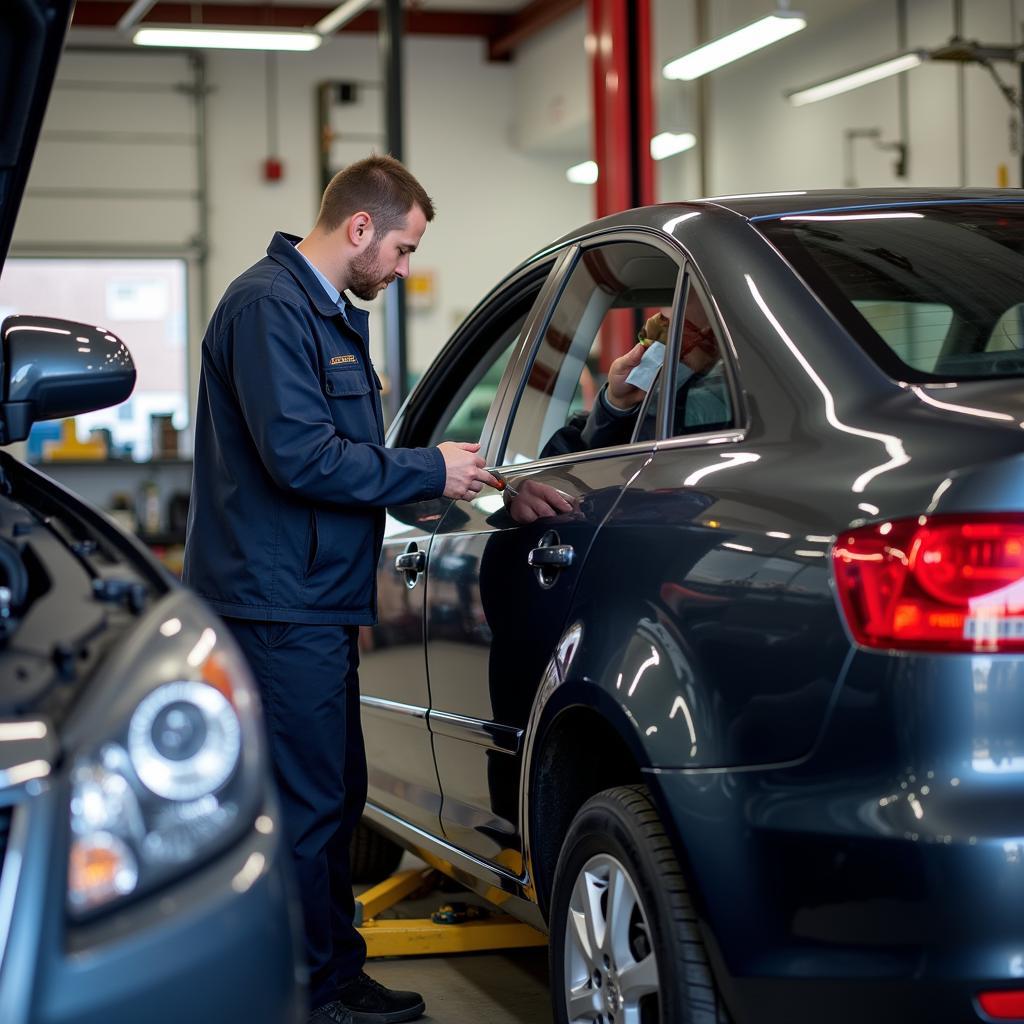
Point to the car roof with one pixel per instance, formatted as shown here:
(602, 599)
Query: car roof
(765, 206)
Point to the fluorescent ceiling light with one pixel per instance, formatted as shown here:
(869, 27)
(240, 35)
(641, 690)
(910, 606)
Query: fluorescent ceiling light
(190, 38)
(583, 174)
(855, 79)
(735, 45)
(663, 145)
(341, 14)
(670, 143)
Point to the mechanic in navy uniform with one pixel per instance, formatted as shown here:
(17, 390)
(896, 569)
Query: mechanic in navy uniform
(290, 481)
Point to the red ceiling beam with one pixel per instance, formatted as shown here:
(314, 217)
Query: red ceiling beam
(103, 14)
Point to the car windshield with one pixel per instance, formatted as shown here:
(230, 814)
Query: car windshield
(934, 292)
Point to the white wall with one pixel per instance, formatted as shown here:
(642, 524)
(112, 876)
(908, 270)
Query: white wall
(495, 206)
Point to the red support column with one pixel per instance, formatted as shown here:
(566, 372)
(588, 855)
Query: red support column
(620, 53)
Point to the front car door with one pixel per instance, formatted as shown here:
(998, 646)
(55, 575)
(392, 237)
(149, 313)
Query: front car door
(453, 403)
(502, 569)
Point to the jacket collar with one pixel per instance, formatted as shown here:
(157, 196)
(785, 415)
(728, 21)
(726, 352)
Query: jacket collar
(282, 250)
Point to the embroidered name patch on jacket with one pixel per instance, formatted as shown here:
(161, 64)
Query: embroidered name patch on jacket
(342, 360)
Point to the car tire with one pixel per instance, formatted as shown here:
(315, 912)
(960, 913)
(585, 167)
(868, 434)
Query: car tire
(372, 856)
(654, 970)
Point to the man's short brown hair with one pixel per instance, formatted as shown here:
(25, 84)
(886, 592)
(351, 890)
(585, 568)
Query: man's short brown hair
(380, 185)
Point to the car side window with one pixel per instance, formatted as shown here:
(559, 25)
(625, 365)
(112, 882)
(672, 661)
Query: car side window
(701, 401)
(609, 294)
(1008, 333)
(464, 418)
(461, 393)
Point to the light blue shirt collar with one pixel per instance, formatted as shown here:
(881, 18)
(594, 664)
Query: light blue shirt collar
(332, 293)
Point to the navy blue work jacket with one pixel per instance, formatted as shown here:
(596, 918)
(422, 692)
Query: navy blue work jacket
(291, 475)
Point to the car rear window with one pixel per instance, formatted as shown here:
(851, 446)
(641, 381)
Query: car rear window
(934, 292)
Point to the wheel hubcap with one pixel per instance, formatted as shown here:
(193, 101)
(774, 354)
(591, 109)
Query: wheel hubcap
(611, 975)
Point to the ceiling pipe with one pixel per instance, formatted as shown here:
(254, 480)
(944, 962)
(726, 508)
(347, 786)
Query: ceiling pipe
(135, 14)
(341, 15)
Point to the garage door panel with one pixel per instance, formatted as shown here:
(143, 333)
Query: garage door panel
(100, 165)
(146, 223)
(100, 109)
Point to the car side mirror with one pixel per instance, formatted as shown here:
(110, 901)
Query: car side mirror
(52, 368)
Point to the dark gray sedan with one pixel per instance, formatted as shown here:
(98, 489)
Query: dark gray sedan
(726, 688)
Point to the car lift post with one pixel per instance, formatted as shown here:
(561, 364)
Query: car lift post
(423, 936)
(619, 44)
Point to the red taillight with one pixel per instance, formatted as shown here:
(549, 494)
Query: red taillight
(1003, 1005)
(950, 583)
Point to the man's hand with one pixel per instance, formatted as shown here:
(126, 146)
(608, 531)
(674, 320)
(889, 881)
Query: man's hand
(535, 500)
(620, 394)
(464, 470)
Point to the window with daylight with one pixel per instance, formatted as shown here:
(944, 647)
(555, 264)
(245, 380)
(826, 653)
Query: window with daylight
(143, 302)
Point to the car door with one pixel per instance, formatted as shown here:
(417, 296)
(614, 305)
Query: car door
(501, 575)
(453, 402)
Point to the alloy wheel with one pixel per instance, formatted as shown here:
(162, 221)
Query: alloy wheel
(611, 974)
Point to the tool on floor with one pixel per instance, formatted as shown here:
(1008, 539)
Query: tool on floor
(453, 928)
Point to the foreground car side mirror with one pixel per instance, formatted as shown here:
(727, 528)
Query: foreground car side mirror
(53, 368)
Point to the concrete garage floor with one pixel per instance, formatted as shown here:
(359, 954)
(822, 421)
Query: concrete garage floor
(482, 988)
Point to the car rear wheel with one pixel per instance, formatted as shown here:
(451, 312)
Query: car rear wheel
(373, 856)
(625, 944)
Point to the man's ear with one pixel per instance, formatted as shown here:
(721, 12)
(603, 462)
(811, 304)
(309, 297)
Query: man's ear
(360, 229)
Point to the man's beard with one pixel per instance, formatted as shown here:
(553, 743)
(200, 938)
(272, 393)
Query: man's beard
(365, 275)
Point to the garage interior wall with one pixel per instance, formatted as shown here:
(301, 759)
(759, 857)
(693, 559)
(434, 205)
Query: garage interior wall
(491, 141)
(761, 142)
(496, 203)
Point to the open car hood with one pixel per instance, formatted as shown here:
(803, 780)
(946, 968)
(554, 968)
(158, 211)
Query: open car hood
(31, 36)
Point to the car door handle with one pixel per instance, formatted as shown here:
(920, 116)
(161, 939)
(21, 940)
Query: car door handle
(411, 561)
(554, 556)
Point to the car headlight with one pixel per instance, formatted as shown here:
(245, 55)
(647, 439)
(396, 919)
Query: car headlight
(173, 771)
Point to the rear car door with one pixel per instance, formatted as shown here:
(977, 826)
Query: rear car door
(453, 402)
(503, 568)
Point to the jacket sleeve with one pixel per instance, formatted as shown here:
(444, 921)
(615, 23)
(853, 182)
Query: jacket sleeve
(269, 357)
(607, 426)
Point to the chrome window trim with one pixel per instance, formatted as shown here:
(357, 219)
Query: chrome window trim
(730, 435)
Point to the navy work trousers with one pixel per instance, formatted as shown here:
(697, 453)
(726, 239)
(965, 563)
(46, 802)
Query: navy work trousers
(309, 685)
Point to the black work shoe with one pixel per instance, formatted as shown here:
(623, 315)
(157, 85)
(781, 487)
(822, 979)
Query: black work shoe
(330, 1013)
(370, 1002)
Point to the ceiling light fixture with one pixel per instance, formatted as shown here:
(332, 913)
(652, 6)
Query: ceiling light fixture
(735, 45)
(874, 72)
(197, 37)
(582, 174)
(670, 143)
(663, 145)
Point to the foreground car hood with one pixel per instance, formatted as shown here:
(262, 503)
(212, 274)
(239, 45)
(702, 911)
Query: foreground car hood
(31, 36)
